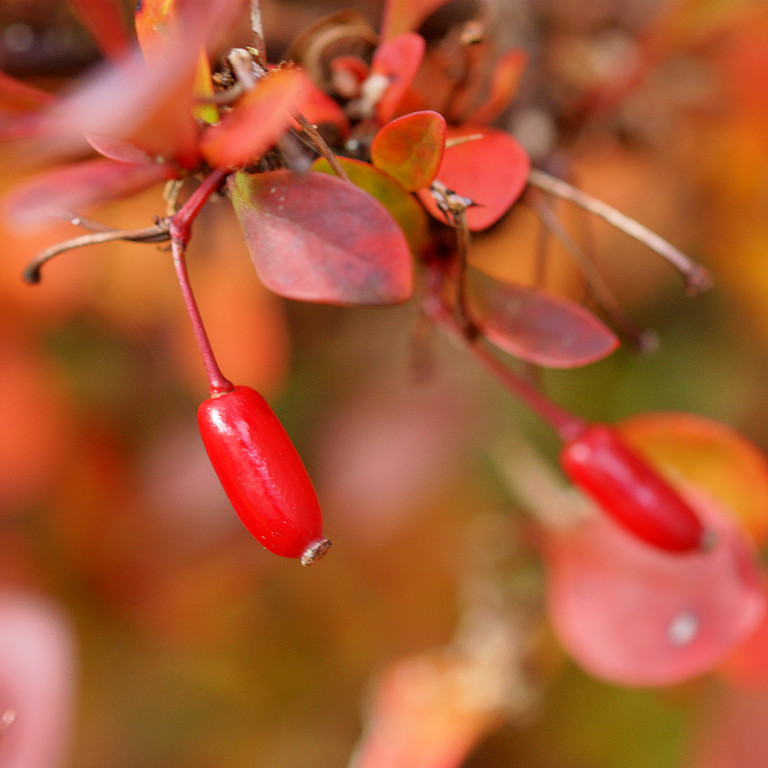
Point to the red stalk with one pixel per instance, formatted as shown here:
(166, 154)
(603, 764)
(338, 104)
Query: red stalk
(180, 231)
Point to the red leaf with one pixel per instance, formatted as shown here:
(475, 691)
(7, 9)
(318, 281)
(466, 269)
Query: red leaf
(317, 238)
(410, 148)
(403, 207)
(75, 187)
(538, 327)
(117, 149)
(505, 80)
(633, 615)
(397, 60)
(150, 105)
(491, 170)
(151, 108)
(747, 666)
(256, 122)
(105, 21)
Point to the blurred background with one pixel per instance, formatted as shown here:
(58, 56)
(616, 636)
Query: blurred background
(194, 647)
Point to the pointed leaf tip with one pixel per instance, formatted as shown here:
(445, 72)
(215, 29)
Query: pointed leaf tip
(538, 327)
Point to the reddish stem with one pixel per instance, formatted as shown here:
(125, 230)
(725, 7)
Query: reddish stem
(567, 425)
(180, 231)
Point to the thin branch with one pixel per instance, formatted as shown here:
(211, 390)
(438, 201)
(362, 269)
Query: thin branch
(157, 233)
(462, 256)
(642, 339)
(321, 146)
(566, 424)
(257, 29)
(180, 227)
(454, 208)
(181, 221)
(217, 382)
(76, 220)
(171, 196)
(697, 277)
(241, 62)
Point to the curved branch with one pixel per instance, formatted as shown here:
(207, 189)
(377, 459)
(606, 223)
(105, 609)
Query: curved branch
(697, 278)
(157, 233)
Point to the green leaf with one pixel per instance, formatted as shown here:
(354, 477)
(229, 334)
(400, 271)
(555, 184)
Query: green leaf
(403, 207)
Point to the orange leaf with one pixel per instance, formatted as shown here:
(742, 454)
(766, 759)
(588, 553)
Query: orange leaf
(410, 148)
(256, 122)
(429, 711)
(159, 29)
(406, 15)
(157, 22)
(710, 455)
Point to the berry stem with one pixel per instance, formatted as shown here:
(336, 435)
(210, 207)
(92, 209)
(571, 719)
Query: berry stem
(180, 230)
(567, 425)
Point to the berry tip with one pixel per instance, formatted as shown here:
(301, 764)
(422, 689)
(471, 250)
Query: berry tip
(315, 551)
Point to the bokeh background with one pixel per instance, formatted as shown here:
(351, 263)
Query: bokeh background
(192, 646)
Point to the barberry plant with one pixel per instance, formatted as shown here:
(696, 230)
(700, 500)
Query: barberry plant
(357, 183)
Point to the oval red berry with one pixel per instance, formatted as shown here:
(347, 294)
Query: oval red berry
(628, 489)
(262, 474)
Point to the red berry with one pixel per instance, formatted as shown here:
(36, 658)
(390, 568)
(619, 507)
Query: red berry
(628, 489)
(262, 474)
